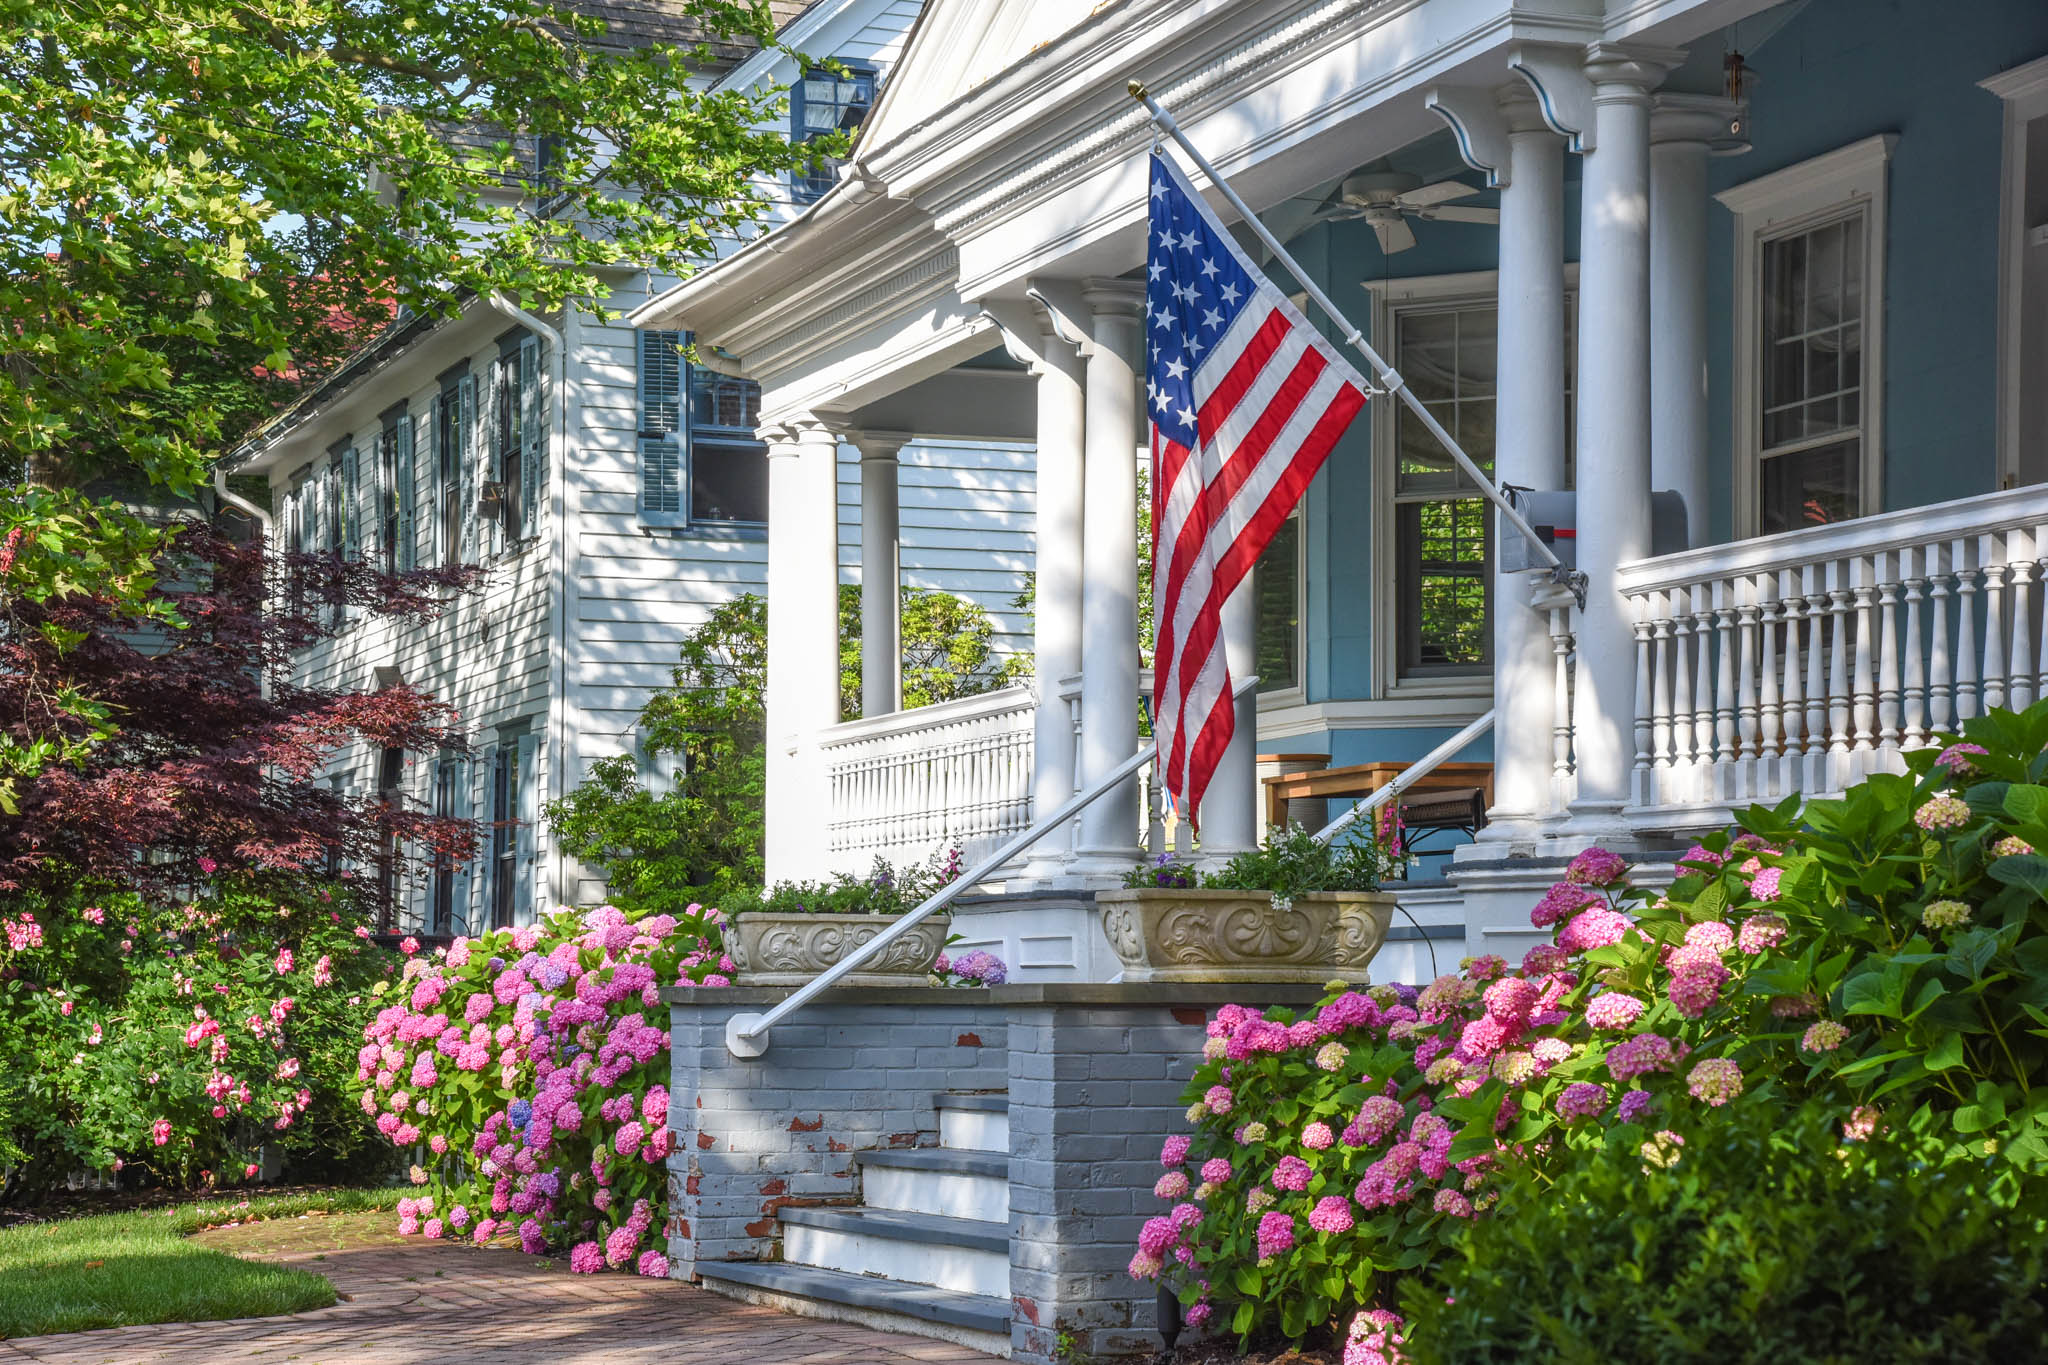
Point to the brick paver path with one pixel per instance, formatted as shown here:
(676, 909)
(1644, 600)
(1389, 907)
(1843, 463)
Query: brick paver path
(405, 1300)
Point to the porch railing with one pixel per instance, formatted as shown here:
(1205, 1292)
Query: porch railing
(906, 785)
(1805, 661)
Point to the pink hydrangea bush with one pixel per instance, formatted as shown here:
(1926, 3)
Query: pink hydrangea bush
(1644, 1013)
(537, 1060)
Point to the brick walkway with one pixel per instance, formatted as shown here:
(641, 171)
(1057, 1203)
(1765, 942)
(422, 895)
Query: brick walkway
(404, 1300)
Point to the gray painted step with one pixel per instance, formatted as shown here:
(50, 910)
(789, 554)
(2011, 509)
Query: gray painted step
(970, 1234)
(988, 1164)
(975, 1312)
(996, 1103)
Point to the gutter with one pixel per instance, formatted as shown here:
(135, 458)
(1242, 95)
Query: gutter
(558, 571)
(236, 500)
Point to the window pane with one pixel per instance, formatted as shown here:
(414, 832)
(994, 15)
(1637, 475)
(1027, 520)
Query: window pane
(728, 482)
(1276, 598)
(1812, 367)
(1444, 585)
(1810, 487)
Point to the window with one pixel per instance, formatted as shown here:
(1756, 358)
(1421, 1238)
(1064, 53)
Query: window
(392, 492)
(700, 459)
(1443, 335)
(510, 439)
(504, 869)
(390, 794)
(1809, 270)
(2023, 274)
(447, 457)
(824, 102)
(441, 905)
(1276, 598)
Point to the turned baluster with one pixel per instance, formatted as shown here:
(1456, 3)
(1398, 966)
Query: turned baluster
(1817, 628)
(1888, 650)
(1660, 683)
(2019, 676)
(1913, 564)
(1991, 561)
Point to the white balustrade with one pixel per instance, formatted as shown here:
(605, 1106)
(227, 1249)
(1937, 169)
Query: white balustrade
(1804, 661)
(907, 785)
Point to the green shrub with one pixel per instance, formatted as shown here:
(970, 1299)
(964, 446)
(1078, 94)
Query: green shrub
(1293, 863)
(176, 1042)
(1758, 1243)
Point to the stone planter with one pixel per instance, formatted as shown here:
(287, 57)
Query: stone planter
(1176, 935)
(773, 948)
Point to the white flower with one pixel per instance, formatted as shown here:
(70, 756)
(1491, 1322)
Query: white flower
(1281, 902)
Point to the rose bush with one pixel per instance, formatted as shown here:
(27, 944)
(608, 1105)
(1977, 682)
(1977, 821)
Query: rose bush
(531, 1064)
(175, 1042)
(1878, 963)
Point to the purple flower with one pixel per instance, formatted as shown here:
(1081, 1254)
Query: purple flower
(1596, 867)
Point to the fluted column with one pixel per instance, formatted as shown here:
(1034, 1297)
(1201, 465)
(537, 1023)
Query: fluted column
(1684, 130)
(802, 686)
(1107, 840)
(881, 572)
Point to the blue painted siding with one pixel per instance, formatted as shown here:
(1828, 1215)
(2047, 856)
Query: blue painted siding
(1841, 71)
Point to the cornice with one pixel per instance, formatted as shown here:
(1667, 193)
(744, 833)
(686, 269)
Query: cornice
(766, 352)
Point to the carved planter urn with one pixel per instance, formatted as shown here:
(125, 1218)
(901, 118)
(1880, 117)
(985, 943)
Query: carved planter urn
(1168, 934)
(778, 948)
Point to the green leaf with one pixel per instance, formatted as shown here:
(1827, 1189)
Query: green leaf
(1946, 1053)
(2026, 869)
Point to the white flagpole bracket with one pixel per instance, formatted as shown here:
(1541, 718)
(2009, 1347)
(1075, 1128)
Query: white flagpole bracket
(1353, 337)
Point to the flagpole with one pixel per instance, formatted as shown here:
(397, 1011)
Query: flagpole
(1389, 377)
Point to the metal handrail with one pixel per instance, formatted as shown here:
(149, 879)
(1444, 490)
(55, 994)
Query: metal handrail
(1408, 777)
(746, 1035)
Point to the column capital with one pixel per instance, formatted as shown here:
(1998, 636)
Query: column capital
(1719, 124)
(1112, 297)
(1568, 81)
(878, 446)
(786, 431)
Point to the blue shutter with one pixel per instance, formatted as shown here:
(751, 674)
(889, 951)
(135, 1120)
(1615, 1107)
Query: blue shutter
(469, 457)
(661, 429)
(351, 503)
(533, 434)
(402, 470)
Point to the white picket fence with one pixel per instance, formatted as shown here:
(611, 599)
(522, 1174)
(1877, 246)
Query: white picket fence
(1805, 661)
(907, 785)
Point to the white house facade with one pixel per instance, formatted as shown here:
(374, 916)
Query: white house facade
(617, 494)
(1785, 261)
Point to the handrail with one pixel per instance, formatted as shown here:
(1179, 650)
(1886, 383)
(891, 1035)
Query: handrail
(746, 1035)
(1408, 777)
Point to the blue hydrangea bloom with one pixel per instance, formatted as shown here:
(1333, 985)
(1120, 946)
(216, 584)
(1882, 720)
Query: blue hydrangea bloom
(520, 1112)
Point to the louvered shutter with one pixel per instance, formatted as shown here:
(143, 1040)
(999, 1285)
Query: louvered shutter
(432, 551)
(529, 816)
(462, 917)
(467, 459)
(366, 509)
(661, 423)
(486, 879)
(533, 435)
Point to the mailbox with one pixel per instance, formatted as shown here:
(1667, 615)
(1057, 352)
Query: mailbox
(1554, 517)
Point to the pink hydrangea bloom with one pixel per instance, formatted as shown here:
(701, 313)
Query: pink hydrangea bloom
(1645, 1052)
(1596, 867)
(1710, 934)
(1276, 1234)
(1317, 1136)
(1580, 1100)
(1860, 1125)
(1633, 1106)
(1765, 885)
(1598, 927)
(652, 1264)
(1561, 901)
(1512, 999)
(1942, 812)
(1216, 1170)
(1219, 1099)
(1452, 1203)
(1174, 1150)
(586, 1258)
(1291, 1174)
(1823, 1035)
(1760, 933)
(1544, 958)
(1332, 1213)
(1956, 757)
(1157, 1235)
(1172, 1185)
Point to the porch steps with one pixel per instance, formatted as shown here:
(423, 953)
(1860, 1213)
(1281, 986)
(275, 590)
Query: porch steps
(927, 1252)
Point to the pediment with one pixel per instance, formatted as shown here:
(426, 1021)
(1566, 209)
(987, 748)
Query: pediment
(960, 44)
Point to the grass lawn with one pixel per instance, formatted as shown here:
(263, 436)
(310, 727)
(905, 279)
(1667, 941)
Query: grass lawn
(121, 1269)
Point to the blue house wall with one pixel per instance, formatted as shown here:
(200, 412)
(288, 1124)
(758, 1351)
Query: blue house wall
(1830, 74)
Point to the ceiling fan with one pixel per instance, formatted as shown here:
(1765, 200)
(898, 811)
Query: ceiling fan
(1386, 199)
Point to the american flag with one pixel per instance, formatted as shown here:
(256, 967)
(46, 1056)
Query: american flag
(1245, 399)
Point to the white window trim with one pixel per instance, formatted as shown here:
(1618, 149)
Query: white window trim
(1389, 297)
(1805, 195)
(2024, 91)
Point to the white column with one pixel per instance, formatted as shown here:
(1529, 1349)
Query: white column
(1230, 808)
(1683, 130)
(803, 639)
(1613, 424)
(1529, 450)
(1056, 560)
(881, 572)
(1108, 837)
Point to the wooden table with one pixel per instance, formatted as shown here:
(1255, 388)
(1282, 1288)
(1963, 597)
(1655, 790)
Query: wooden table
(1360, 780)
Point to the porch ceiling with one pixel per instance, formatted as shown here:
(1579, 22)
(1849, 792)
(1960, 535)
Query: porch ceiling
(959, 404)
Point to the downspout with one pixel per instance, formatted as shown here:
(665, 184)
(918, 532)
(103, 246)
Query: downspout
(237, 501)
(558, 572)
